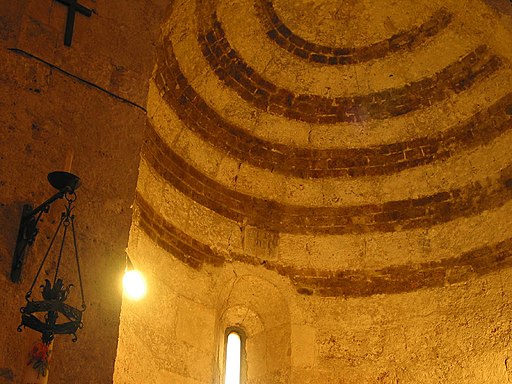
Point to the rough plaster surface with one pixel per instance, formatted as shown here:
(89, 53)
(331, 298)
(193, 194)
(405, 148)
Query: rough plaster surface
(54, 99)
(453, 334)
(244, 167)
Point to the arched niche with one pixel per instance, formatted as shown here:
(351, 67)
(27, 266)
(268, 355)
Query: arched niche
(257, 308)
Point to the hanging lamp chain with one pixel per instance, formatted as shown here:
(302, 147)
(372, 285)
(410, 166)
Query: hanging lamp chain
(55, 293)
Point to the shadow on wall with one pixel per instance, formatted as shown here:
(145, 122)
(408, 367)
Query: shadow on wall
(503, 6)
(258, 309)
(7, 374)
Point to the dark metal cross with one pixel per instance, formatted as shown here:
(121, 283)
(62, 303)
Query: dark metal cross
(70, 21)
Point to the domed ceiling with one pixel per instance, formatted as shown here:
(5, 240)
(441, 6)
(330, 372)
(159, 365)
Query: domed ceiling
(353, 147)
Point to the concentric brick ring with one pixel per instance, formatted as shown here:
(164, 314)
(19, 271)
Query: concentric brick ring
(206, 164)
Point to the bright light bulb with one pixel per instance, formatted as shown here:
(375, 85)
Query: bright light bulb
(134, 284)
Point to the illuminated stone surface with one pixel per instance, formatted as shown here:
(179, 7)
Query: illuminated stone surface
(334, 178)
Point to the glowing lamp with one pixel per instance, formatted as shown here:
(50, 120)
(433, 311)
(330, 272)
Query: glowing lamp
(134, 283)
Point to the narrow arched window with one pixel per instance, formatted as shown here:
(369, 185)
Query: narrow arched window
(234, 355)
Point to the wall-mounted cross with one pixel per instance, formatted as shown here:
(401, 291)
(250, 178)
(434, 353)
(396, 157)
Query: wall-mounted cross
(70, 21)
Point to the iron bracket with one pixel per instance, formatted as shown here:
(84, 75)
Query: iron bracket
(65, 182)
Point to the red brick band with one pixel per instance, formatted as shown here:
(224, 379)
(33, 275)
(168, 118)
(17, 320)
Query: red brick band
(201, 119)
(252, 87)
(274, 216)
(279, 33)
(408, 278)
(173, 240)
(348, 283)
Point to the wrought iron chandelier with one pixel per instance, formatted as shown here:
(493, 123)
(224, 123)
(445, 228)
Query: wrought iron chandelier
(44, 315)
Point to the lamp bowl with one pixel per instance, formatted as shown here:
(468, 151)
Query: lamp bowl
(63, 180)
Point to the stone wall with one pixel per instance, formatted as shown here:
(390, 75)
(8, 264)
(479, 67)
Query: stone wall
(334, 180)
(457, 333)
(88, 98)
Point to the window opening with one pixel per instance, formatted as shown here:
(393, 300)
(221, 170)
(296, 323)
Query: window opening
(233, 358)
